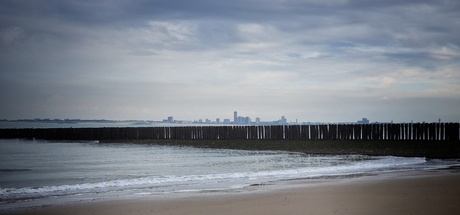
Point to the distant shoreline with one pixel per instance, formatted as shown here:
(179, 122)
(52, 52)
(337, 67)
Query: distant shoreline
(404, 148)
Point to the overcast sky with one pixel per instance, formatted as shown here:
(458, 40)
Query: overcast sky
(311, 60)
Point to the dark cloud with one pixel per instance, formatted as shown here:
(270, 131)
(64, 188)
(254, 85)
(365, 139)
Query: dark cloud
(73, 55)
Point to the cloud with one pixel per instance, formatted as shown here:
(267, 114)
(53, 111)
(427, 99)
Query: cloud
(11, 34)
(445, 53)
(311, 60)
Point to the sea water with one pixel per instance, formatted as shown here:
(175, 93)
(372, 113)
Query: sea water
(34, 172)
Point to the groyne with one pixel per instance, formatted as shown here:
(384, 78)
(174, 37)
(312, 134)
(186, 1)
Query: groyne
(393, 131)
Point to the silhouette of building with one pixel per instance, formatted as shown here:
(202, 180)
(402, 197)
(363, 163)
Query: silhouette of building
(363, 121)
(169, 120)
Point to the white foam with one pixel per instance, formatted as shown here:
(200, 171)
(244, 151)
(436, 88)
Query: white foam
(238, 178)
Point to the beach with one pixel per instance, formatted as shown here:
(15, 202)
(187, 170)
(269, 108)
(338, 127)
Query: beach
(426, 192)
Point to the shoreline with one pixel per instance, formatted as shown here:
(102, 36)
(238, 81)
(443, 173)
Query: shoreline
(417, 192)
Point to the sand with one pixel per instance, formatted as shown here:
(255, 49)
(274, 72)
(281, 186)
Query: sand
(428, 192)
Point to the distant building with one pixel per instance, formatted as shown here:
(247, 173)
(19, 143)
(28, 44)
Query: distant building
(243, 120)
(170, 119)
(217, 120)
(282, 121)
(257, 120)
(363, 121)
(226, 121)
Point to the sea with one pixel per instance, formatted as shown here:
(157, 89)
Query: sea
(37, 173)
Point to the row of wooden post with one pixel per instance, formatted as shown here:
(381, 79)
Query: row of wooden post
(401, 131)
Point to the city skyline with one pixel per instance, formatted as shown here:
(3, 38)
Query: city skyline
(219, 120)
(237, 120)
(319, 61)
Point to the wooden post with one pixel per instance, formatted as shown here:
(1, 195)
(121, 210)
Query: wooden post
(456, 131)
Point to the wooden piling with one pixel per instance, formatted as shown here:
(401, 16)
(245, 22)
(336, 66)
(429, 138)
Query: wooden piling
(393, 131)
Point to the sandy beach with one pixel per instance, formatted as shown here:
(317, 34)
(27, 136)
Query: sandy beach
(428, 192)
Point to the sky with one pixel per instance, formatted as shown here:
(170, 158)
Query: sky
(310, 60)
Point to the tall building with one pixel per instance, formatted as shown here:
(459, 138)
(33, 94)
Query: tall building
(243, 120)
(235, 117)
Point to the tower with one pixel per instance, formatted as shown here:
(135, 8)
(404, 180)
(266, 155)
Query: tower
(235, 117)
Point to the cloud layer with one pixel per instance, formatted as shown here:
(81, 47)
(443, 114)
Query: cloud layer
(308, 60)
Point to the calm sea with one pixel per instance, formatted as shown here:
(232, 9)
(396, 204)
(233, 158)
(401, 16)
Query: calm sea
(15, 124)
(34, 172)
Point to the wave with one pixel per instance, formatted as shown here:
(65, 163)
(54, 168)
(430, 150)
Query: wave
(364, 166)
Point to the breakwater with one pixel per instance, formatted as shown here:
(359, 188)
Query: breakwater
(393, 131)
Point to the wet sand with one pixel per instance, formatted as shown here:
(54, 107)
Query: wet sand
(428, 192)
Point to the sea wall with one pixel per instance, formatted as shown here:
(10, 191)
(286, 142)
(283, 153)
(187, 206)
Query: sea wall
(393, 131)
